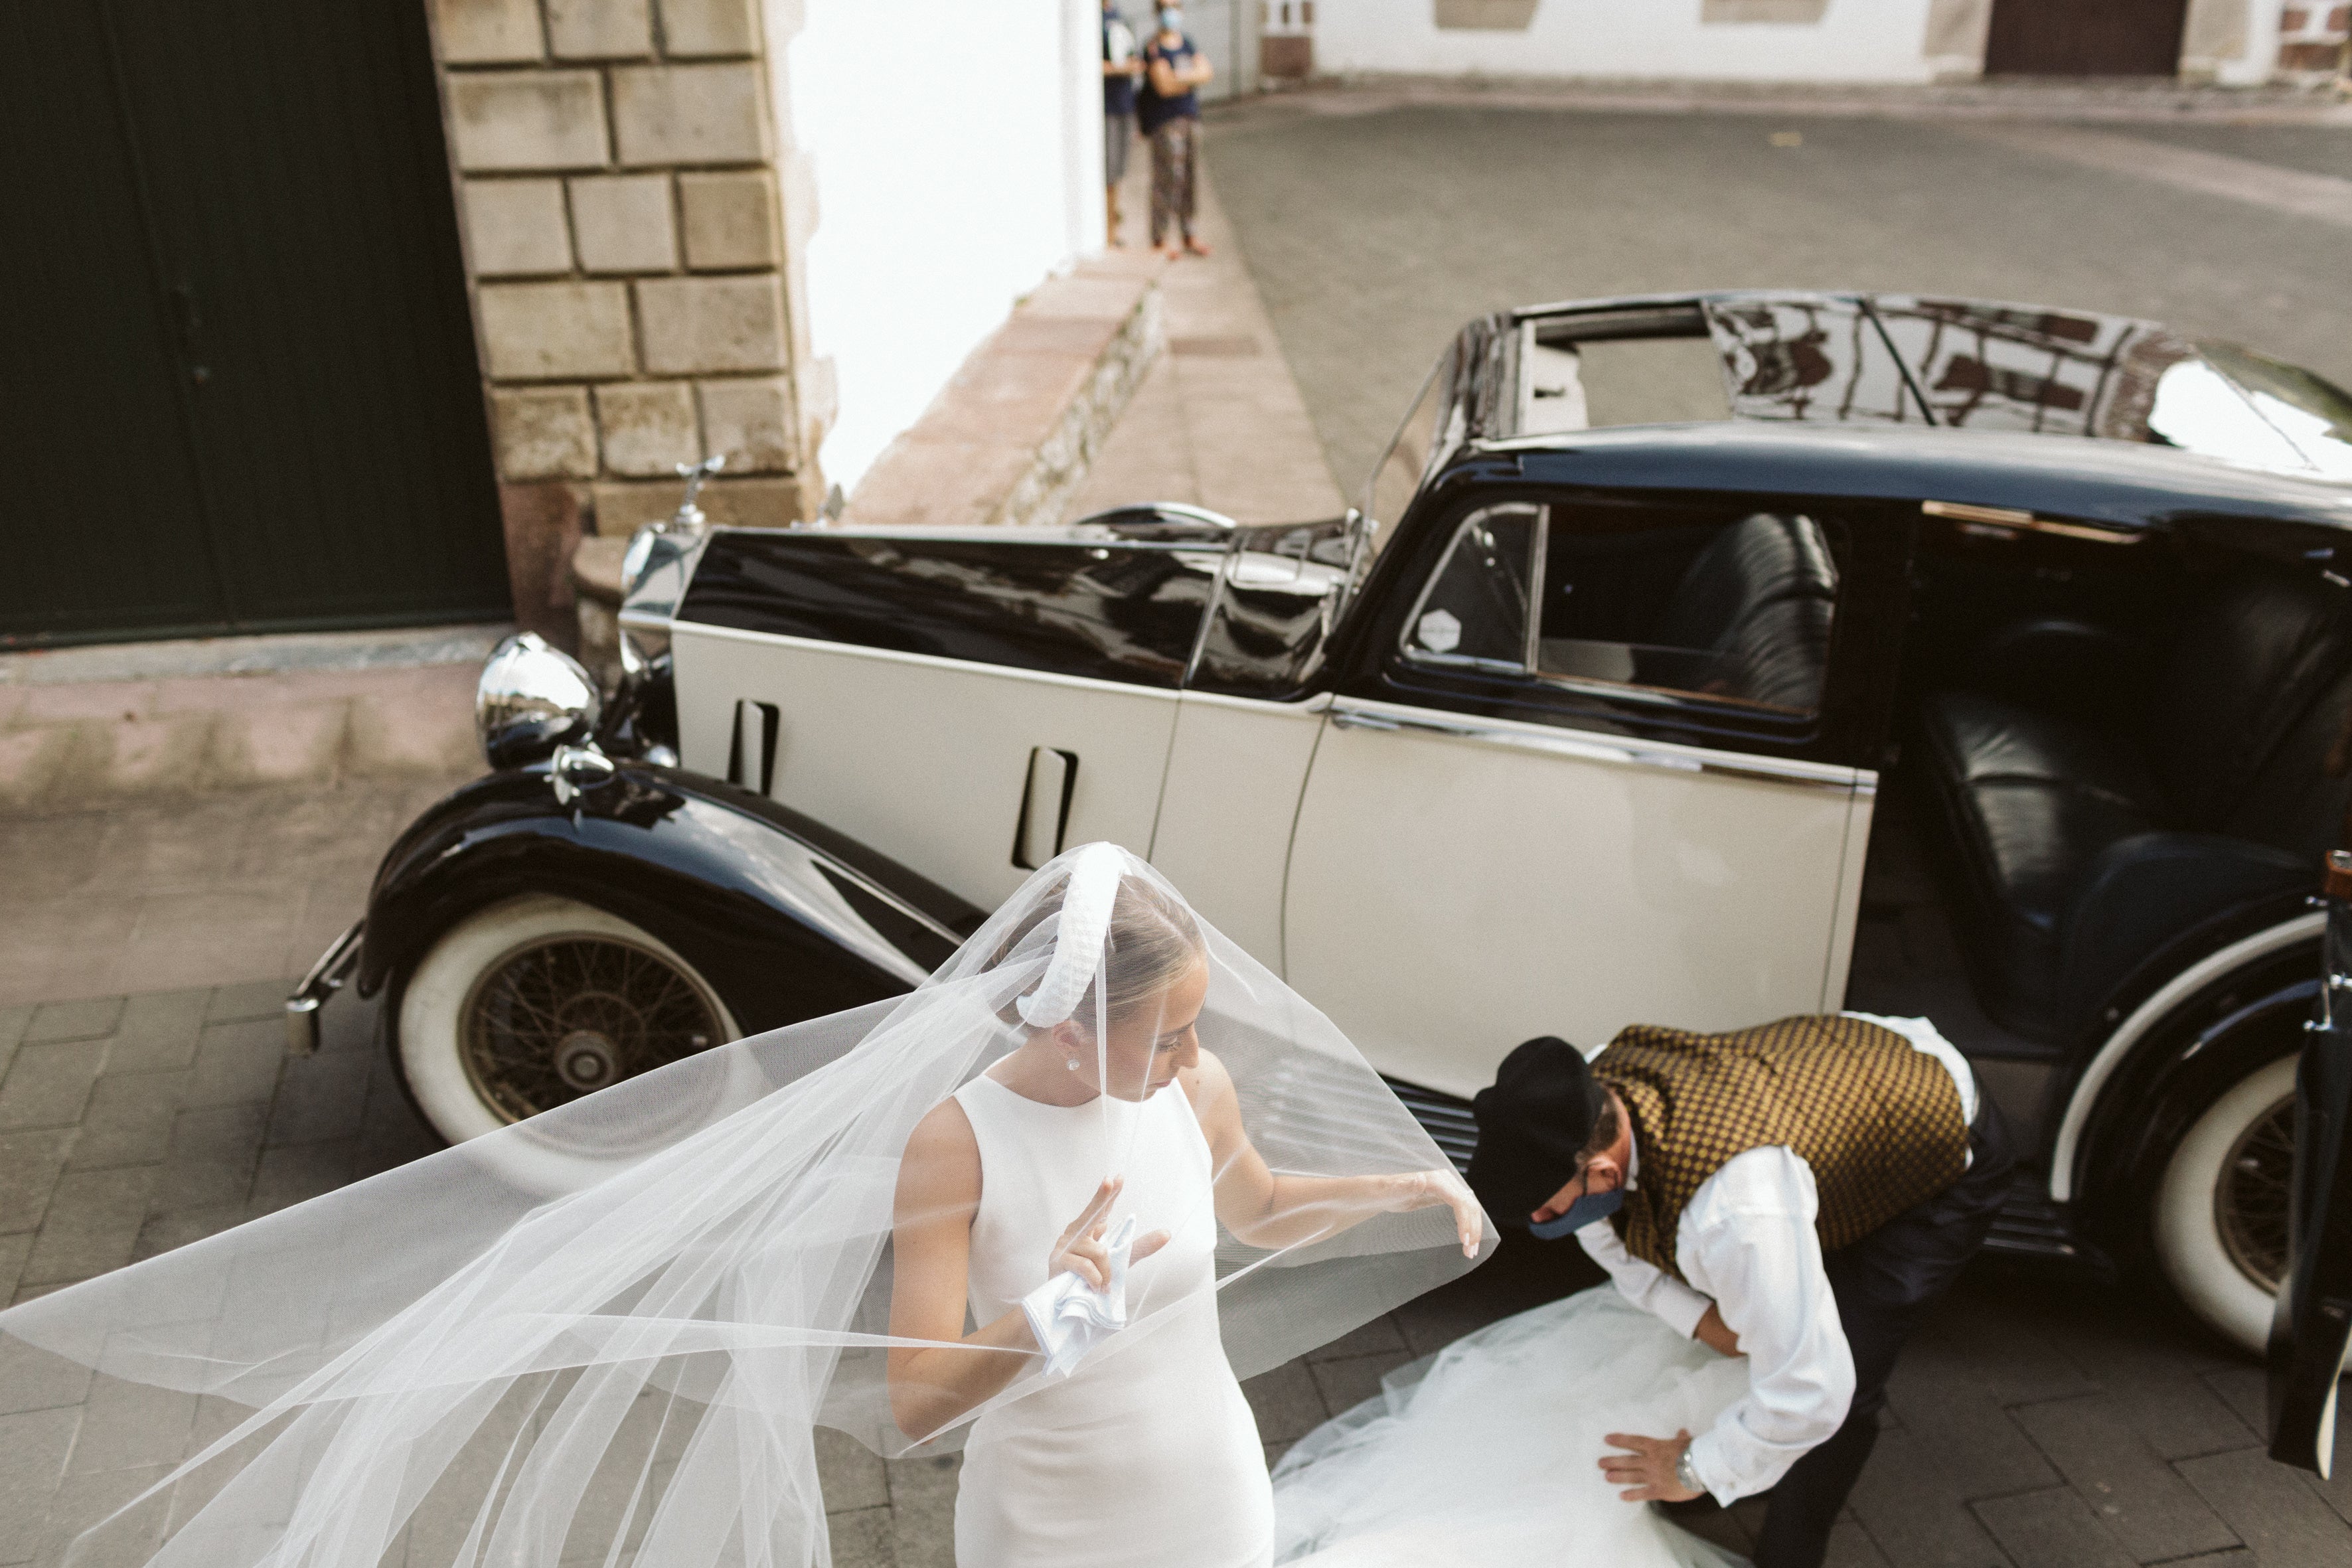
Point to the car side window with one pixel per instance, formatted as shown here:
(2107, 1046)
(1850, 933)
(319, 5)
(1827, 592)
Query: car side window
(1667, 604)
(1473, 613)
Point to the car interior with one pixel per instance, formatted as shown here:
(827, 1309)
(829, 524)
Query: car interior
(1737, 612)
(2101, 738)
(2100, 743)
(1648, 603)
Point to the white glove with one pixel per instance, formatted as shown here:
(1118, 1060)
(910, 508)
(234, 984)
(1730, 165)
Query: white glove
(1070, 1317)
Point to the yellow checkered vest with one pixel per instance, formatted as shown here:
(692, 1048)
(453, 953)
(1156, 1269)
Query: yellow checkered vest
(1878, 1120)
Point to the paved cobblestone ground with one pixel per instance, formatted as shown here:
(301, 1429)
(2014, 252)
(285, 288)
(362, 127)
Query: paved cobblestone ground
(2039, 1421)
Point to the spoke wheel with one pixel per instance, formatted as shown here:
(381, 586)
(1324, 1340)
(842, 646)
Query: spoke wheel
(2219, 1215)
(538, 1002)
(2250, 1201)
(566, 1015)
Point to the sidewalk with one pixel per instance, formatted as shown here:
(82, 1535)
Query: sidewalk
(1218, 421)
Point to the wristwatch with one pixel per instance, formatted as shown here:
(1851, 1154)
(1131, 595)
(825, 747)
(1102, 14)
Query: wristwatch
(1687, 1476)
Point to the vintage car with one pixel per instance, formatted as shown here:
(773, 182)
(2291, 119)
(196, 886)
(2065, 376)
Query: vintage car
(1696, 660)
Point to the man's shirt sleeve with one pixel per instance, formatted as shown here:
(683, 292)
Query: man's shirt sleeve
(1747, 1238)
(1653, 1289)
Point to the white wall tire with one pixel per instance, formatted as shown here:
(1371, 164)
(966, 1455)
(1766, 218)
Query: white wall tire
(2201, 1237)
(443, 1051)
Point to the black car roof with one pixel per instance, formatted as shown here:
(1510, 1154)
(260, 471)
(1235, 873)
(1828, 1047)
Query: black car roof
(2118, 484)
(1848, 358)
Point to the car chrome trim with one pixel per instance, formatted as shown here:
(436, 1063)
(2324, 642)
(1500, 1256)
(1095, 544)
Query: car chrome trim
(1355, 714)
(1470, 520)
(326, 977)
(927, 660)
(1315, 705)
(1062, 535)
(2067, 1152)
(2009, 520)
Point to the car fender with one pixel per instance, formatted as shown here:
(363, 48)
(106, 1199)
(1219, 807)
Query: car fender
(785, 919)
(2202, 1013)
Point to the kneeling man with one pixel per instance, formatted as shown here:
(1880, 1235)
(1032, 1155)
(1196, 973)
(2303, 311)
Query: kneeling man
(1795, 1193)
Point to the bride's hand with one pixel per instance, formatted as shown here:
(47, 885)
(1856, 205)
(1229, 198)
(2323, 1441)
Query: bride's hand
(1081, 1248)
(1427, 1189)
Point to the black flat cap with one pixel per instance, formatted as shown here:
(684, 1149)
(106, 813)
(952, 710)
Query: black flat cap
(1533, 1121)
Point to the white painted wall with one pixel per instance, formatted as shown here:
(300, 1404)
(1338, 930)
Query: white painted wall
(1855, 41)
(953, 172)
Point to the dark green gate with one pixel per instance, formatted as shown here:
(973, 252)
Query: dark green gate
(238, 381)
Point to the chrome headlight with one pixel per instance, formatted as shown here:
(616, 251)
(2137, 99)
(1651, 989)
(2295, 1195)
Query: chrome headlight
(532, 699)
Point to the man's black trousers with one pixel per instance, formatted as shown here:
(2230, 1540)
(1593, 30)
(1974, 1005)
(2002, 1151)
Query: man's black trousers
(1883, 1283)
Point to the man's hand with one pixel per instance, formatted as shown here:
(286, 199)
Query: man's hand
(1715, 1333)
(1647, 1468)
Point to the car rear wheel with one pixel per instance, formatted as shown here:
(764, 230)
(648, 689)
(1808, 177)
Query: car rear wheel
(2219, 1219)
(534, 1002)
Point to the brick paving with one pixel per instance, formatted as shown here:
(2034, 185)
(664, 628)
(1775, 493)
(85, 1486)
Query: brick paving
(155, 892)
(2041, 1420)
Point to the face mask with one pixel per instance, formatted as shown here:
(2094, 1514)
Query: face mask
(1591, 1206)
(1172, 21)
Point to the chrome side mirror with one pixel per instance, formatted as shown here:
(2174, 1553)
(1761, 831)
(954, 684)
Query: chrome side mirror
(532, 699)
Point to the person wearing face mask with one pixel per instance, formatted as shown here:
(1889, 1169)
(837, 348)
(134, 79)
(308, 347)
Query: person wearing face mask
(1794, 1194)
(1167, 110)
(1121, 65)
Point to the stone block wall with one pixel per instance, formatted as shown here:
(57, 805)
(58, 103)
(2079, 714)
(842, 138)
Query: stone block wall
(626, 230)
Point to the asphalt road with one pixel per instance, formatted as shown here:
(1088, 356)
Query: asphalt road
(2039, 1418)
(1372, 235)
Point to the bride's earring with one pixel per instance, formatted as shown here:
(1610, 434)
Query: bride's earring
(1072, 1064)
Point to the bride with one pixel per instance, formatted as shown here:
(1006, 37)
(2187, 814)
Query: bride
(1054, 1204)
(1151, 1456)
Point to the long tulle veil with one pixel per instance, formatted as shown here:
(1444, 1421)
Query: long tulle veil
(608, 1335)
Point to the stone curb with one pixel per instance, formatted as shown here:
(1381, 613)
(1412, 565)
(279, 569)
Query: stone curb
(104, 741)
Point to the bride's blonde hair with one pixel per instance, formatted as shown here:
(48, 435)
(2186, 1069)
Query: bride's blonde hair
(1154, 942)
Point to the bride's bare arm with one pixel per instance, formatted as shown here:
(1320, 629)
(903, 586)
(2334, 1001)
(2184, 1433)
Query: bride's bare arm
(938, 1193)
(1268, 1210)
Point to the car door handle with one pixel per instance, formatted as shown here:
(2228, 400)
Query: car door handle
(752, 748)
(1045, 806)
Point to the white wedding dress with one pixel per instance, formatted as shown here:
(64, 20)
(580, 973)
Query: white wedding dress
(610, 1332)
(1486, 1455)
(1147, 1455)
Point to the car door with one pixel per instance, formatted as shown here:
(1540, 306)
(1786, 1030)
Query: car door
(2313, 1321)
(1247, 727)
(968, 707)
(1588, 786)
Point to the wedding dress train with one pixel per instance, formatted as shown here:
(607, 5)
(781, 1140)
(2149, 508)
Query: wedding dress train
(1486, 1455)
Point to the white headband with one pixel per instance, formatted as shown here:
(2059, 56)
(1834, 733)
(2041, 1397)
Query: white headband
(1086, 900)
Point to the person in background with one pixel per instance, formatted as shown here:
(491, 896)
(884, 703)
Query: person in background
(1121, 66)
(1169, 111)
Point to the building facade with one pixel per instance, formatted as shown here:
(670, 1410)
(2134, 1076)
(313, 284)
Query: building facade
(2231, 42)
(362, 315)
(766, 228)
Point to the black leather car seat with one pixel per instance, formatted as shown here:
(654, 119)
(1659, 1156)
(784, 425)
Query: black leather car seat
(2085, 835)
(1759, 602)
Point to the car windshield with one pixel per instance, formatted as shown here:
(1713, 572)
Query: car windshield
(2312, 412)
(1398, 474)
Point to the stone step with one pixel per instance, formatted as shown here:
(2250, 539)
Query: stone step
(161, 718)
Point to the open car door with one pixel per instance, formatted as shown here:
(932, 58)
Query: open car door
(2313, 1321)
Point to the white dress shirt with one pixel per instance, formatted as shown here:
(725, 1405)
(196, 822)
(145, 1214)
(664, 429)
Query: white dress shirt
(1746, 1243)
